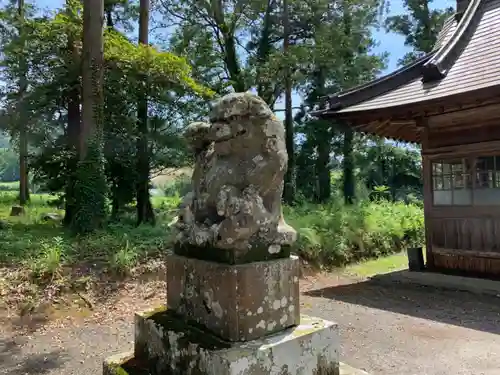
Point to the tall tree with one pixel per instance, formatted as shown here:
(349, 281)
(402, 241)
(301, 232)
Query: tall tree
(22, 125)
(290, 183)
(334, 66)
(145, 213)
(72, 97)
(420, 27)
(90, 186)
(349, 79)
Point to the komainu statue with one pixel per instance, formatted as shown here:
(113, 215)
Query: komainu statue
(237, 182)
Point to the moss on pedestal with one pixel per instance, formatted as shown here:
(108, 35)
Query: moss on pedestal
(169, 345)
(326, 368)
(190, 331)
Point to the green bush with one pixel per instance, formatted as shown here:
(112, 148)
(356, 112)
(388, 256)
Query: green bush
(335, 234)
(180, 186)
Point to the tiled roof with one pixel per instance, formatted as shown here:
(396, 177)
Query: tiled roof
(466, 58)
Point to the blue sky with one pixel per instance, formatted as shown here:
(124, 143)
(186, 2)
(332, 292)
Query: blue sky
(389, 42)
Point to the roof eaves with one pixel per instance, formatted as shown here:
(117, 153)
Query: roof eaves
(378, 86)
(436, 68)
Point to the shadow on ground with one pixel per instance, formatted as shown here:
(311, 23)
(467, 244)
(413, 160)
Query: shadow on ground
(478, 312)
(14, 363)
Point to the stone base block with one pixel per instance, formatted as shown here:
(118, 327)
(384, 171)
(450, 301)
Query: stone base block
(165, 344)
(233, 256)
(127, 364)
(236, 302)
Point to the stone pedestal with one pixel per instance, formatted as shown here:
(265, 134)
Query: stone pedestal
(226, 319)
(236, 302)
(166, 344)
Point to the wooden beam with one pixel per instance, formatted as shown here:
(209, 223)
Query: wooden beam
(422, 123)
(465, 253)
(462, 212)
(463, 149)
(476, 114)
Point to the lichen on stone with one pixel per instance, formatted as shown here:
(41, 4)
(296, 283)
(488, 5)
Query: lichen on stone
(237, 182)
(326, 368)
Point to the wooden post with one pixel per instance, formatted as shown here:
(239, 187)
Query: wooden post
(427, 178)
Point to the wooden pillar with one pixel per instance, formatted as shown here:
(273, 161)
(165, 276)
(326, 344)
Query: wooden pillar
(427, 179)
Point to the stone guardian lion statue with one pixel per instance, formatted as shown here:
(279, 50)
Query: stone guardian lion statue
(237, 182)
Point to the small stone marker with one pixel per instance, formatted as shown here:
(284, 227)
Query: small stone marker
(232, 286)
(17, 211)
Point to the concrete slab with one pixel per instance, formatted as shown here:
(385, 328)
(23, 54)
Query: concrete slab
(166, 344)
(438, 280)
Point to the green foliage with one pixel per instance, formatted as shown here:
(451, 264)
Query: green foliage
(124, 259)
(48, 263)
(420, 26)
(334, 234)
(180, 185)
(161, 68)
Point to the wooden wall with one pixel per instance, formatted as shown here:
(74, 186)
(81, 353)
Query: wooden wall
(466, 239)
(469, 244)
(467, 233)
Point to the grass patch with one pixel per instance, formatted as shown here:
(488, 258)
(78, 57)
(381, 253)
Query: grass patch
(372, 267)
(26, 238)
(40, 261)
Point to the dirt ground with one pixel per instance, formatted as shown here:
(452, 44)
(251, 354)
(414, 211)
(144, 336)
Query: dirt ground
(385, 330)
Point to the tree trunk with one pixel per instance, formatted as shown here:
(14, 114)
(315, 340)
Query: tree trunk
(92, 73)
(145, 213)
(323, 167)
(265, 90)
(290, 186)
(73, 130)
(229, 46)
(23, 141)
(348, 167)
(90, 182)
(349, 78)
(323, 142)
(24, 195)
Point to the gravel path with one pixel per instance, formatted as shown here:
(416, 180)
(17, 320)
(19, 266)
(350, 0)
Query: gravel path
(411, 330)
(385, 330)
